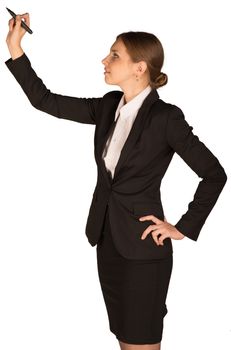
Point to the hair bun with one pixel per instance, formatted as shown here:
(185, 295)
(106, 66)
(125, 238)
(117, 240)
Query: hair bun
(161, 80)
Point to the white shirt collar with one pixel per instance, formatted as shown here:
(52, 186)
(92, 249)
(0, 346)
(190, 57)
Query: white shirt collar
(131, 107)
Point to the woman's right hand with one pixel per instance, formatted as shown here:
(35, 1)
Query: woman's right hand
(16, 33)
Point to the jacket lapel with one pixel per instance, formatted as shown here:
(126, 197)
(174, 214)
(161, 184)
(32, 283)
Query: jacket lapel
(107, 124)
(133, 136)
(136, 130)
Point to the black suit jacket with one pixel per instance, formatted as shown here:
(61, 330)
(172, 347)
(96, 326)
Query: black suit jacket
(159, 130)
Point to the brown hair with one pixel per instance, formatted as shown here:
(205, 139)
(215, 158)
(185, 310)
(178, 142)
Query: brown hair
(142, 46)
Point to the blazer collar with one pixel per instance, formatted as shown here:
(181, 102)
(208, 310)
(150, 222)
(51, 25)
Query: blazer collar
(131, 107)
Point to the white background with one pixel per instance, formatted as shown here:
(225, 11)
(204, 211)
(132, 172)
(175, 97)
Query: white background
(50, 296)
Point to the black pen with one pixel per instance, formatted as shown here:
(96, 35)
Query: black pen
(23, 24)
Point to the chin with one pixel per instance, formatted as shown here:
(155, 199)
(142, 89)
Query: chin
(109, 82)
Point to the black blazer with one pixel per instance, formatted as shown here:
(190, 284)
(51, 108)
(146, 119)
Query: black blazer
(159, 130)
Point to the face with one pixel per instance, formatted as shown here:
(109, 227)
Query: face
(119, 68)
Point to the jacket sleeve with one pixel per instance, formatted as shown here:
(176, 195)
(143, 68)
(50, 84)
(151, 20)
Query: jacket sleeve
(83, 110)
(203, 162)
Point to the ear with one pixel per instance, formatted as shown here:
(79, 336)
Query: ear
(141, 67)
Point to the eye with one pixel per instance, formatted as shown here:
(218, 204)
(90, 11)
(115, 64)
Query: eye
(115, 55)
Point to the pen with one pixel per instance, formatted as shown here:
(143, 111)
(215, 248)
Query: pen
(23, 24)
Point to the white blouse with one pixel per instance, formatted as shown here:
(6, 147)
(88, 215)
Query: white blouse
(124, 116)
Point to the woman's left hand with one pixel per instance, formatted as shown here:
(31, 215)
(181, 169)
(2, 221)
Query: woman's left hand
(162, 228)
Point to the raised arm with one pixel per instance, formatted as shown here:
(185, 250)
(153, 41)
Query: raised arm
(83, 110)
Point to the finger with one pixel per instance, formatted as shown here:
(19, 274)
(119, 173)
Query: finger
(18, 21)
(155, 238)
(147, 231)
(150, 217)
(156, 235)
(11, 24)
(26, 18)
(162, 237)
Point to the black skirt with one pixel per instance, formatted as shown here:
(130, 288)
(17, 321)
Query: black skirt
(134, 291)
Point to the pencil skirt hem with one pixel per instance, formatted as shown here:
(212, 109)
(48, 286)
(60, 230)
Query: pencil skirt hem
(136, 341)
(134, 291)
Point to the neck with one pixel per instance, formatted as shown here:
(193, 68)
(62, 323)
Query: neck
(132, 91)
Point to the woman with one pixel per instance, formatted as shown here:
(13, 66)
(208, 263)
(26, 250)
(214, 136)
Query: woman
(136, 135)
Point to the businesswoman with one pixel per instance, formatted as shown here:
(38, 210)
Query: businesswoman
(136, 135)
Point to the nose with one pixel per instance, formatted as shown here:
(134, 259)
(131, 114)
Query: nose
(104, 61)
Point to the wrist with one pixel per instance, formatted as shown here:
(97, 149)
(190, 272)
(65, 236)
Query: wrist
(15, 52)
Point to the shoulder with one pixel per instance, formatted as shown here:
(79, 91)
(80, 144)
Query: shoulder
(112, 95)
(164, 111)
(168, 108)
(110, 99)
